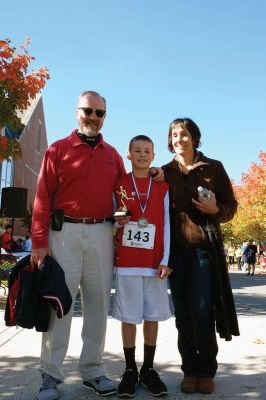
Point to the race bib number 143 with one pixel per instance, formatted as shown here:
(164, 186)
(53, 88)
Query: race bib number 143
(134, 236)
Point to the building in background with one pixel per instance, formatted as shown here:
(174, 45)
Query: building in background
(24, 172)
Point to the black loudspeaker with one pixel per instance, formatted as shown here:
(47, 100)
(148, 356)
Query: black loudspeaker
(14, 202)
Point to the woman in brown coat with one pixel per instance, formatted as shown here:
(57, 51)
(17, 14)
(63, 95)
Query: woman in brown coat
(200, 285)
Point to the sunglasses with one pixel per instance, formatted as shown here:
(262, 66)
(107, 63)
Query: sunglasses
(88, 111)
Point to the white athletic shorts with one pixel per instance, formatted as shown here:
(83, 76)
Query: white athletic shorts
(139, 298)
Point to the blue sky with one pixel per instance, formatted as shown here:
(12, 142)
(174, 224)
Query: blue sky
(154, 61)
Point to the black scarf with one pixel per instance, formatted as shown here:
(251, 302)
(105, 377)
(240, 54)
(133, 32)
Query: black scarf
(92, 141)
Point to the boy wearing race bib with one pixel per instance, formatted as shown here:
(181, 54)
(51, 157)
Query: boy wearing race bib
(141, 265)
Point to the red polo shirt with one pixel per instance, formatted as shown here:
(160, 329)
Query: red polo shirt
(76, 178)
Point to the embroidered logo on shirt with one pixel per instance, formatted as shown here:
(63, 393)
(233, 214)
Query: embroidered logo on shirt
(140, 194)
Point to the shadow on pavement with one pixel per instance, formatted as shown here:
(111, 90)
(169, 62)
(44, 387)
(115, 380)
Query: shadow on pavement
(20, 384)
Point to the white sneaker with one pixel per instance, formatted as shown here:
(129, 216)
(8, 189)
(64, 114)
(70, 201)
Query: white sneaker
(101, 385)
(48, 390)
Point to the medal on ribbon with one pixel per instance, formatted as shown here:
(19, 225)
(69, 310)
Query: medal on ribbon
(142, 221)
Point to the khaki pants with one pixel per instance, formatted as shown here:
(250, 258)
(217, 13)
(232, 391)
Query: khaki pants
(85, 252)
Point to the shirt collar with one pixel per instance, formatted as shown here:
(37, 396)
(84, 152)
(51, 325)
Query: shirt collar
(199, 160)
(76, 141)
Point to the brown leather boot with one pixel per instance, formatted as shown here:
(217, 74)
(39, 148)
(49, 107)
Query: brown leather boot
(189, 384)
(205, 385)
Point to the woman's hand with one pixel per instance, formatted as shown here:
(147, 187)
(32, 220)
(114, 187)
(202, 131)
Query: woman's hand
(207, 206)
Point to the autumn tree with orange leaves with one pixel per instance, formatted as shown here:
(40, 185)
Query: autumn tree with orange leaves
(250, 220)
(17, 88)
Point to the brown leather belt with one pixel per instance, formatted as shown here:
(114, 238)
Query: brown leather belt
(86, 220)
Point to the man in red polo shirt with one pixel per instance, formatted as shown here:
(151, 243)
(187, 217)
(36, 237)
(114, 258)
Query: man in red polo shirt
(75, 186)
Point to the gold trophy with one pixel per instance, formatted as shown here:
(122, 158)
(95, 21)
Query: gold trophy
(123, 212)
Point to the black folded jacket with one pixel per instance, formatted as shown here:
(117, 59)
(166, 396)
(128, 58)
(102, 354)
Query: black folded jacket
(32, 292)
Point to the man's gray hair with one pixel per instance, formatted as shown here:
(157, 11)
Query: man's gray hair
(91, 93)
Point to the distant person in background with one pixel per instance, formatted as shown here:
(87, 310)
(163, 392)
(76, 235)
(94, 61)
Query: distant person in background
(249, 256)
(19, 245)
(238, 254)
(260, 249)
(27, 244)
(7, 238)
(231, 255)
(244, 245)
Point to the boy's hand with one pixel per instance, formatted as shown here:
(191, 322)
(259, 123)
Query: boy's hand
(163, 271)
(122, 220)
(207, 206)
(157, 174)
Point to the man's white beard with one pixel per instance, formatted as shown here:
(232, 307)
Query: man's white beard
(88, 130)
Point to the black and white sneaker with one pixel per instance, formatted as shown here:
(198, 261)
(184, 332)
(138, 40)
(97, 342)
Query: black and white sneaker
(150, 379)
(127, 386)
(101, 385)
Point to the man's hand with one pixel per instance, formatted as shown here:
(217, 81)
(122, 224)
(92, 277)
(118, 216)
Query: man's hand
(163, 271)
(37, 256)
(207, 206)
(157, 174)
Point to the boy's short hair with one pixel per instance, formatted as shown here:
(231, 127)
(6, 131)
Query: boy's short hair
(144, 138)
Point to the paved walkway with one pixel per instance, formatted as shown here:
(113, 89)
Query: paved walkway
(242, 362)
